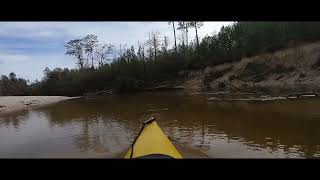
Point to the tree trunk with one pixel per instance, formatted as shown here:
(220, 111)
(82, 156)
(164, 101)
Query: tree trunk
(187, 37)
(144, 64)
(174, 32)
(197, 35)
(80, 62)
(155, 46)
(92, 62)
(182, 37)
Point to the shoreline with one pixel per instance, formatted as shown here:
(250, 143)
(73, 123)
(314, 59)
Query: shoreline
(11, 104)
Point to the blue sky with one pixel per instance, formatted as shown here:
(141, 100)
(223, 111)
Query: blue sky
(26, 48)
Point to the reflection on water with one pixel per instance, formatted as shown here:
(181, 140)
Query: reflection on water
(105, 126)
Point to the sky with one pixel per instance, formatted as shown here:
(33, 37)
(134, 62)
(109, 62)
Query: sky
(27, 48)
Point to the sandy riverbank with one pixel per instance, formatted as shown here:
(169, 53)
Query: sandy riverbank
(9, 104)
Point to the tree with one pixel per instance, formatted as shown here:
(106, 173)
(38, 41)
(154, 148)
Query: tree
(155, 43)
(174, 33)
(184, 26)
(149, 44)
(165, 43)
(141, 56)
(89, 43)
(102, 52)
(4, 85)
(75, 48)
(121, 53)
(46, 72)
(196, 25)
(131, 55)
(12, 76)
(181, 39)
(140, 52)
(13, 86)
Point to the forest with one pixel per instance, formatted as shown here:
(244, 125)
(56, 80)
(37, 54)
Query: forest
(103, 66)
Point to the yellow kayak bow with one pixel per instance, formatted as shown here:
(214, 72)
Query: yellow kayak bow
(151, 142)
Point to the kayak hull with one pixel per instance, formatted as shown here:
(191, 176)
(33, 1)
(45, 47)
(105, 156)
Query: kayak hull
(153, 143)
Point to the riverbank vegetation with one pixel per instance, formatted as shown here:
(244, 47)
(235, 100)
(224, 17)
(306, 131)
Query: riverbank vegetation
(102, 66)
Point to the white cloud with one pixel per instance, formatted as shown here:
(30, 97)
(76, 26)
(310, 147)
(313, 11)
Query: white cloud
(9, 58)
(31, 29)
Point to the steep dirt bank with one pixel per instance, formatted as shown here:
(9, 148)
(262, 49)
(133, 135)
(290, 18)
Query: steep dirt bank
(295, 69)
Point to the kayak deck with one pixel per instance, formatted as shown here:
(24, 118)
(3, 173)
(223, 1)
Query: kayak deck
(153, 143)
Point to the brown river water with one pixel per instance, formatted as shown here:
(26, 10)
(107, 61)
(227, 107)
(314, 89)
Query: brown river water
(104, 127)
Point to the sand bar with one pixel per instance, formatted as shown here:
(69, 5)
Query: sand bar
(9, 104)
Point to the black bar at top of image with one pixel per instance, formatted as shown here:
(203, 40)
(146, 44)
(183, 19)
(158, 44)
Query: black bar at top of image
(160, 11)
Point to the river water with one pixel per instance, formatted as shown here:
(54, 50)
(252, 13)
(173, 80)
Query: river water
(104, 127)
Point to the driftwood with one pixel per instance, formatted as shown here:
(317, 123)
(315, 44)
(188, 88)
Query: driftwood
(210, 93)
(248, 99)
(162, 88)
(266, 98)
(298, 95)
(98, 93)
(247, 91)
(154, 110)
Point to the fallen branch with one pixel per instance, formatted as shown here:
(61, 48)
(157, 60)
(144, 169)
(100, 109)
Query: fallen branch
(98, 93)
(301, 94)
(153, 110)
(237, 87)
